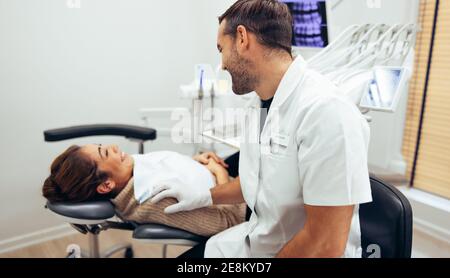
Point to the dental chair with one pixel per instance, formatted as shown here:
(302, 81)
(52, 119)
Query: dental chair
(386, 223)
(92, 218)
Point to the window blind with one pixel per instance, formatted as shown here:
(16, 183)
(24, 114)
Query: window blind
(426, 145)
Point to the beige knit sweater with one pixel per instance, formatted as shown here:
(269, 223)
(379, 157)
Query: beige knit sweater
(205, 221)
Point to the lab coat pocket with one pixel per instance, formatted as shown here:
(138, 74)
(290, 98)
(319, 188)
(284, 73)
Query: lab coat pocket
(279, 145)
(280, 171)
(277, 149)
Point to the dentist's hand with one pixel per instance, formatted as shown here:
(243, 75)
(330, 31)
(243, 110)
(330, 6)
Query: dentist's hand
(188, 199)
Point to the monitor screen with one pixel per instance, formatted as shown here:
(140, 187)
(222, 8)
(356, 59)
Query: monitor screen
(384, 89)
(309, 22)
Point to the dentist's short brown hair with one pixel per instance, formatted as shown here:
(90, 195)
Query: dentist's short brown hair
(269, 20)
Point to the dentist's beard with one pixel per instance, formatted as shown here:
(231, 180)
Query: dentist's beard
(244, 82)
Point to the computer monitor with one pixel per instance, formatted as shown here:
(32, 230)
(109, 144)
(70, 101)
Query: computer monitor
(310, 27)
(383, 92)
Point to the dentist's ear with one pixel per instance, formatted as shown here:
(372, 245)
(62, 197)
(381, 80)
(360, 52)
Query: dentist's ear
(106, 187)
(242, 38)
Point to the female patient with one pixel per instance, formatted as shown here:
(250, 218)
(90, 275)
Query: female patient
(94, 172)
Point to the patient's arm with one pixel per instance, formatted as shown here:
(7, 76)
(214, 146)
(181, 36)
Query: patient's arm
(229, 193)
(218, 171)
(226, 191)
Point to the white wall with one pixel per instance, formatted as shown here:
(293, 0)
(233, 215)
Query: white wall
(343, 13)
(385, 153)
(210, 11)
(99, 63)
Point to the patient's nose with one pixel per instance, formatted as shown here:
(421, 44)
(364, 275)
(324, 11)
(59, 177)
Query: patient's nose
(115, 148)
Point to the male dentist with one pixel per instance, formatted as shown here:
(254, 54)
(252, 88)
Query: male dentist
(306, 173)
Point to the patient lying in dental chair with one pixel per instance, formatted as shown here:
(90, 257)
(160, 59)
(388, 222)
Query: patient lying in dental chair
(95, 172)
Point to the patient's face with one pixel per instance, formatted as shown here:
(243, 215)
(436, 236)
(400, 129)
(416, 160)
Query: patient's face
(112, 160)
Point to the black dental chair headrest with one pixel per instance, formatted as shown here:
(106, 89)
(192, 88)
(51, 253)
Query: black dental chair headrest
(128, 131)
(96, 210)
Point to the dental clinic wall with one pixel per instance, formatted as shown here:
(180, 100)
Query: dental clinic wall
(385, 152)
(66, 63)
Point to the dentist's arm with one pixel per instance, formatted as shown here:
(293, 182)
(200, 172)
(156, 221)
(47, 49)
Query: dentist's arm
(324, 235)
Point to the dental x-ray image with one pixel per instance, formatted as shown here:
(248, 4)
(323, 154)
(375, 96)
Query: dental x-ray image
(309, 23)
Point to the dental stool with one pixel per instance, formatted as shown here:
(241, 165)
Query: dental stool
(92, 218)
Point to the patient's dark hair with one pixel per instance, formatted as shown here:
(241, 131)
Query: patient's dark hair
(74, 177)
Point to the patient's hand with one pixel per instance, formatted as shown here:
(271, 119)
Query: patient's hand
(218, 171)
(206, 157)
(214, 167)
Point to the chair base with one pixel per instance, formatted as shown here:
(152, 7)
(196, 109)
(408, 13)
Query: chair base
(74, 251)
(149, 233)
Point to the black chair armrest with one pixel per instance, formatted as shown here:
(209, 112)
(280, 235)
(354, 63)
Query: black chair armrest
(162, 232)
(128, 131)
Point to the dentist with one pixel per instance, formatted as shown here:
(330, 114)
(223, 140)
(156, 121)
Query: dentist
(303, 166)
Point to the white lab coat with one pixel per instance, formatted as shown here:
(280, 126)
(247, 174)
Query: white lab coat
(313, 150)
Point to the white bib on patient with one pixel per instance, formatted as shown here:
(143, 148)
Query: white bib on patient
(158, 168)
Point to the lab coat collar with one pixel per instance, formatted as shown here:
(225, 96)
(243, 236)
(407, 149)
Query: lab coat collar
(292, 78)
(290, 81)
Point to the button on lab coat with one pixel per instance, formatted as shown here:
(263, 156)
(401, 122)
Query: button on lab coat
(312, 151)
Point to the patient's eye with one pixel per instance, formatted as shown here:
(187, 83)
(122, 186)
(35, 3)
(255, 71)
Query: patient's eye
(102, 150)
(99, 149)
